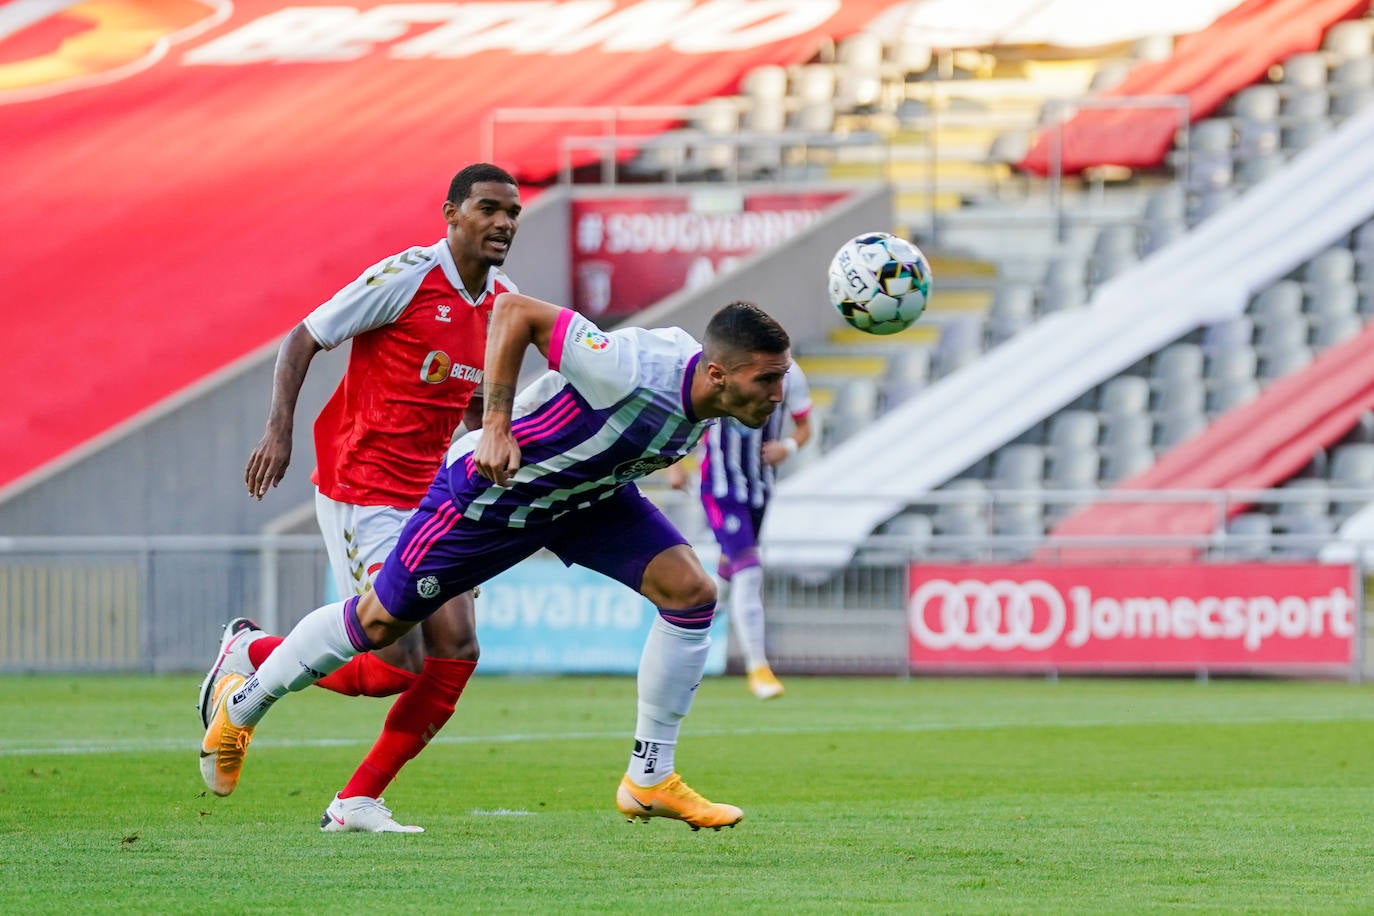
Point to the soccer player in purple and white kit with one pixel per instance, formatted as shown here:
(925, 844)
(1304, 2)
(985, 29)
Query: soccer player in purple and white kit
(554, 468)
(737, 469)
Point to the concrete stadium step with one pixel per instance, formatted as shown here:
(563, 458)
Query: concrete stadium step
(840, 365)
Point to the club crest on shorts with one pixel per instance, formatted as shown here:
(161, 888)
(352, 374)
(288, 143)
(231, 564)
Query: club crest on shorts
(428, 587)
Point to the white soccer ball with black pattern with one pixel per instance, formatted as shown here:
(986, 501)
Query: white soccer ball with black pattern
(879, 283)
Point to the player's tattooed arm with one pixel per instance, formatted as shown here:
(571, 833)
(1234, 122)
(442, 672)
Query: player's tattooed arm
(498, 398)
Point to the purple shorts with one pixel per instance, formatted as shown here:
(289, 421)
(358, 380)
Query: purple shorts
(736, 527)
(441, 555)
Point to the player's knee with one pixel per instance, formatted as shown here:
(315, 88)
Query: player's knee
(692, 592)
(458, 648)
(380, 628)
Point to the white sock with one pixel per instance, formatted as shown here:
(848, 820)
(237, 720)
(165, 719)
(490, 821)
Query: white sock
(669, 673)
(316, 646)
(746, 615)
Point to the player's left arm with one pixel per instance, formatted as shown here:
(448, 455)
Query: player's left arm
(797, 403)
(517, 322)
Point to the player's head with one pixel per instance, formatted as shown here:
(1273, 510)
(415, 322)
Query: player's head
(482, 211)
(744, 356)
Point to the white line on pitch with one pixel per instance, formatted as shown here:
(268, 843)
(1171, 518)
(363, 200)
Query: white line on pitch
(186, 745)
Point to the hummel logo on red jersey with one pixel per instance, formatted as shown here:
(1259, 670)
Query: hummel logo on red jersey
(443, 313)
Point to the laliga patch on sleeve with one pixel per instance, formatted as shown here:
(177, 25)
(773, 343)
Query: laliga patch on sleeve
(592, 339)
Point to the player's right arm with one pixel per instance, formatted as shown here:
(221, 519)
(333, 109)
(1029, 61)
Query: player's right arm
(377, 297)
(268, 462)
(517, 321)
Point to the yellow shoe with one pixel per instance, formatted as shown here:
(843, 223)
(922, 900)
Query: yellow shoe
(673, 798)
(221, 753)
(763, 684)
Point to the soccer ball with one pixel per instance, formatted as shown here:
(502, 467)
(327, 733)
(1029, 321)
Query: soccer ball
(879, 283)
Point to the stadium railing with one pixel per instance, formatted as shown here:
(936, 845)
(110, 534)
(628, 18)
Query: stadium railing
(154, 604)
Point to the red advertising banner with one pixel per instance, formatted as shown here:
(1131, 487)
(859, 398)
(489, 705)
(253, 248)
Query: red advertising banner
(630, 252)
(1292, 617)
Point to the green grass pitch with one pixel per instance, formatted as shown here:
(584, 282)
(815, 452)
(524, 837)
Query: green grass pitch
(860, 795)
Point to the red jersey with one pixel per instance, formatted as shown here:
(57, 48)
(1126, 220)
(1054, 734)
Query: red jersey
(418, 344)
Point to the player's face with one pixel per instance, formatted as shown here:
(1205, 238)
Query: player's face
(753, 390)
(482, 227)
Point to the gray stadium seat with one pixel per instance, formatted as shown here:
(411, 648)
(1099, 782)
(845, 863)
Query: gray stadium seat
(1248, 537)
(1124, 394)
(908, 371)
(1283, 298)
(1352, 468)
(1073, 429)
(1334, 265)
(1232, 363)
(1230, 394)
(1308, 536)
(1281, 361)
(1302, 497)
(1210, 164)
(1228, 334)
(1348, 41)
(1329, 330)
(1018, 467)
(1181, 394)
(1351, 101)
(1298, 137)
(1256, 168)
(1180, 360)
(1127, 429)
(1325, 300)
(1177, 426)
(1304, 71)
(1122, 461)
(1280, 332)
(1303, 106)
(1011, 311)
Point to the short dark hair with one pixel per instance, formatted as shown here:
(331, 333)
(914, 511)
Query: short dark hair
(461, 185)
(743, 327)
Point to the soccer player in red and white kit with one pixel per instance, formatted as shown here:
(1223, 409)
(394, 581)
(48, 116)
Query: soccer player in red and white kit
(418, 322)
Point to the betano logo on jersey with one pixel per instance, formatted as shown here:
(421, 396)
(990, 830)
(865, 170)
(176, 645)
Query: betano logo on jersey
(437, 31)
(54, 47)
(438, 366)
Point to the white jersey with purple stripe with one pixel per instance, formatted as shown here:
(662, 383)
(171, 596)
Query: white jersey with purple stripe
(615, 407)
(732, 468)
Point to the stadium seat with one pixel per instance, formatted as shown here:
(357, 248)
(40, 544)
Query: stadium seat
(1302, 538)
(1352, 468)
(1011, 310)
(1125, 394)
(1248, 537)
(907, 372)
(1330, 299)
(1127, 429)
(1125, 460)
(1228, 334)
(1280, 361)
(1303, 71)
(1232, 363)
(1232, 393)
(1182, 393)
(1329, 330)
(1180, 360)
(1280, 332)
(1334, 265)
(1276, 301)
(1073, 429)
(1175, 426)
(1018, 467)
(1348, 41)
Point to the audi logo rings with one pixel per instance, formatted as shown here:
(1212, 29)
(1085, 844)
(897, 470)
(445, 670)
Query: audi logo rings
(999, 615)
